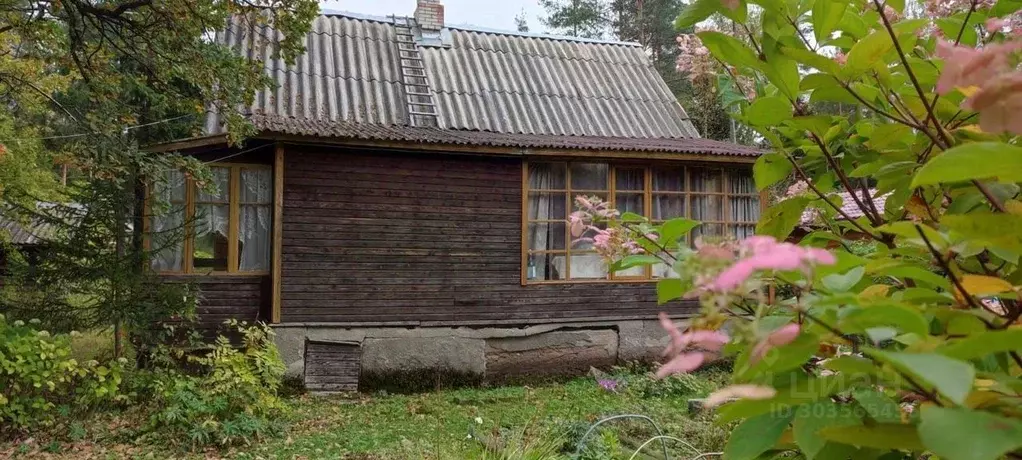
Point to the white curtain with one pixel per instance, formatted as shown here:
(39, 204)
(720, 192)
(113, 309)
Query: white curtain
(707, 208)
(592, 179)
(743, 208)
(166, 226)
(546, 206)
(254, 230)
(212, 222)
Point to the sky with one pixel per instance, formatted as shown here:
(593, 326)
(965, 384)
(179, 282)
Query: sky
(494, 14)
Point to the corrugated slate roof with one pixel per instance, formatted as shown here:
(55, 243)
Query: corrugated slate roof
(25, 234)
(490, 88)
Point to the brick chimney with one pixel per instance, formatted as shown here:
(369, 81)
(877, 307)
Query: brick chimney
(430, 15)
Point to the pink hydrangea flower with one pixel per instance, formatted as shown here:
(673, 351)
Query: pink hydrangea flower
(966, 66)
(778, 338)
(999, 104)
(995, 24)
(689, 350)
(765, 253)
(576, 221)
(740, 391)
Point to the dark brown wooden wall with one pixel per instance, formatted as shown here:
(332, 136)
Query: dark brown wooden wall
(245, 298)
(384, 237)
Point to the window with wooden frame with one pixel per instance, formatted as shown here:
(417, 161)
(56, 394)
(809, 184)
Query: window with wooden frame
(223, 229)
(723, 199)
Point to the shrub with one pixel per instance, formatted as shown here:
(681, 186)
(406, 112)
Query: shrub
(38, 376)
(895, 330)
(230, 399)
(682, 385)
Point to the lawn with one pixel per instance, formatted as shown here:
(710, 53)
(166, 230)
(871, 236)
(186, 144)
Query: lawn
(542, 421)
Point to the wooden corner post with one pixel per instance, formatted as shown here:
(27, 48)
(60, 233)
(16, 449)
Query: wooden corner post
(278, 231)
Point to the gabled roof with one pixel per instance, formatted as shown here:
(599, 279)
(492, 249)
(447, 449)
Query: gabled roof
(494, 88)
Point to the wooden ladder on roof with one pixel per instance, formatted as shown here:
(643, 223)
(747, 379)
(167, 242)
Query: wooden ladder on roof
(422, 111)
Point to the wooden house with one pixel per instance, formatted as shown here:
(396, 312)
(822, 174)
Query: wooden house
(403, 204)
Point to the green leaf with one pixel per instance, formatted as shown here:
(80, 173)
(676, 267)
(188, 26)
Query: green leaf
(950, 377)
(696, 13)
(989, 229)
(675, 228)
(811, 59)
(1005, 7)
(811, 418)
(780, 219)
(634, 260)
(783, 73)
(816, 124)
(826, 16)
(729, 49)
(768, 111)
(898, 316)
(962, 434)
(867, 53)
(880, 436)
(980, 345)
(878, 405)
(770, 169)
(739, 14)
(779, 359)
(845, 282)
(632, 217)
(755, 436)
(668, 289)
(886, 135)
(801, 392)
(976, 160)
(918, 274)
(851, 365)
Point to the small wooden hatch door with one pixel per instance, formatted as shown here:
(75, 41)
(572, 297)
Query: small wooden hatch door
(332, 367)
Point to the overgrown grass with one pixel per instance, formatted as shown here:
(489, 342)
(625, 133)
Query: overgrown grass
(513, 422)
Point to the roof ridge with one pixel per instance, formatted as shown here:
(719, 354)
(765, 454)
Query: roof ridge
(482, 29)
(577, 59)
(562, 96)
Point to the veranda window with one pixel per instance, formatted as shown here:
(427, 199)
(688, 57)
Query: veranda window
(723, 199)
(223, 230)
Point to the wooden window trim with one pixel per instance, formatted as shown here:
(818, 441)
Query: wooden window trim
(234, 206)
(648, 194)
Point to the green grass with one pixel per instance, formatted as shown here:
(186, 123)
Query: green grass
(445, 424)
(513, 422)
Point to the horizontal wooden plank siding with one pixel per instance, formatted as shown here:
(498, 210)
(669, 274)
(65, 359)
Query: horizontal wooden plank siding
(386, 237)
(223, 297)
(331, 367)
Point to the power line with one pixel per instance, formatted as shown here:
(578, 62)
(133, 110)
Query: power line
(126, 129)
(236, 154)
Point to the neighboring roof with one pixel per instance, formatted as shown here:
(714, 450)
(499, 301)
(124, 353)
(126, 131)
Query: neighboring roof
(39, 227)
(848, 206)
(489, 88)
(25, 234)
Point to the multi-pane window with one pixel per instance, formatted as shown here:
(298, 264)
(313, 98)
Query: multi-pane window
(224, 227)
(723, 199)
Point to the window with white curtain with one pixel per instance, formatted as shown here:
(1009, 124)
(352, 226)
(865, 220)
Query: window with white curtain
(222, 227)
(723, 199)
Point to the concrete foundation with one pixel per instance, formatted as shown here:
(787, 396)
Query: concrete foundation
(483, 354)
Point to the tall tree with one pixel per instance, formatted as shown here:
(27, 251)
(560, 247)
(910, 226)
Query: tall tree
(89, 82)
(521, 24)
(650, 23)
(577, 18)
